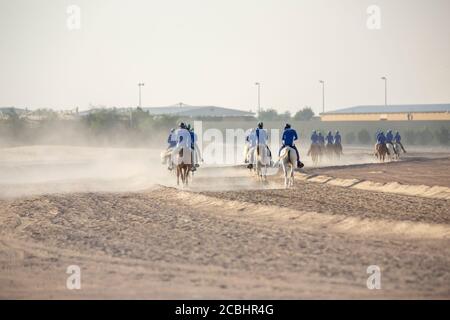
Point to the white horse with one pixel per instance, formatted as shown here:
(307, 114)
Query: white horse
(392, 151)
(288, 160)
(262, 158)
(398, 150)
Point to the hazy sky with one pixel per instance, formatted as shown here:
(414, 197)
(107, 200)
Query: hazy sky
(211, 52)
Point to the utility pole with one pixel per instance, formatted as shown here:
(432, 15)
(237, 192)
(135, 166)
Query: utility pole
(385, 90)
(323, 95)
(140, 85)
(259, 97)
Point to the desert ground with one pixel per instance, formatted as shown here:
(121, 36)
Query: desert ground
(118, 215)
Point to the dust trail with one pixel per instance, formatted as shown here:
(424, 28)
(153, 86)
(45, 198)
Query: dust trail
(61, 169)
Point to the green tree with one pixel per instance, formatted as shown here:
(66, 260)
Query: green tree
(305, 114)
(268, 115)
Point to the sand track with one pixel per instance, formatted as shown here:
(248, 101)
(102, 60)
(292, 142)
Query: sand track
(141, 245)
(226, 236)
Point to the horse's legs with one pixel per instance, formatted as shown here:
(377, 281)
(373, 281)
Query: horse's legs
(292, 176)
(178, 175)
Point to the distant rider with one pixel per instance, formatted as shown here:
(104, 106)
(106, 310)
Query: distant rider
(398, 140)
(288, 138)
(314, 137)
(338, 141)
(329, 138)
(261, 137)
(321, 139)
(183, 138)
(390, 138)
(337, 138)
(251, 142)
(194, 147)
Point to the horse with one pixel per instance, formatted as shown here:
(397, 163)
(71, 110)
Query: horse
(288, 159)
(398, 150)
(183, 161)
(338, 150)
(262, 158)
(314, 151)
(381, 151)
(392, 152)
(329, 150)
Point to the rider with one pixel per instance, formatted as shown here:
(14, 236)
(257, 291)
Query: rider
(261, 137)
(329, 138)
(381, 139)
(194, 147)
(314, 137)
(321, 139)
(288, 138)
(250, 140)
(337, 138)
(398, 140)
(389, 137)
(183, 138)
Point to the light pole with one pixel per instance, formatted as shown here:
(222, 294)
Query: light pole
(385, 90)
(323, 95)
(140, 85)
(259, 96)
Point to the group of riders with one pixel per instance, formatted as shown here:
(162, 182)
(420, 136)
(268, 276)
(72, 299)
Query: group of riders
(388, 143)
(183, 137)
(256, 138)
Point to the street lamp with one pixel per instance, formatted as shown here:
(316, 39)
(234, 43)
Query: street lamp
(259, 96)
(385, 90)
(323, 95)
(140, 85)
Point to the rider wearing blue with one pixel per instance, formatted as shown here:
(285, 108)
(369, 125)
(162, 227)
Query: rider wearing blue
(389, 137)
(337, 138)
(288, 138)
(321, 139)
(193, 142)
(398, 140)
(329, 138)
(314, 137)
(381, 138)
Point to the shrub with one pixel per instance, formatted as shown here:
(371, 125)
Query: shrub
(305, 114)
(425, 137)
(411, 137)
(364, 136)
(443, 136)
(350, 137)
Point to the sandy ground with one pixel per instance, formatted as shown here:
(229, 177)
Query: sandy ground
(228, 236)
(414, 170)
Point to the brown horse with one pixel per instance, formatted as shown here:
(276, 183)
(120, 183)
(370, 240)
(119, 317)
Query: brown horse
(381, 151)
(184, 165)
